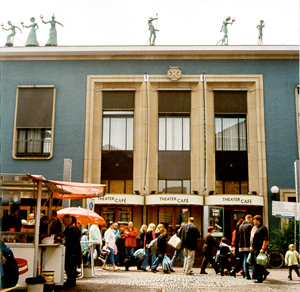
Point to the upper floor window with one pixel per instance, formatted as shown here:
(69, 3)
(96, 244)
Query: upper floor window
(34, 122)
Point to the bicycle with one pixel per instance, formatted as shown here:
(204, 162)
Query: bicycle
(275, 257)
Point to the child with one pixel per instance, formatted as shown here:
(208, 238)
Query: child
(225, 253)
(162, 249)
(292, 260)
(85, 247)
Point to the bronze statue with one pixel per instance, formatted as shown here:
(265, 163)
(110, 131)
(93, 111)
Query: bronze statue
(31, 40)
(225, 29)
(10, 37)
(260, 32)
(52, 41)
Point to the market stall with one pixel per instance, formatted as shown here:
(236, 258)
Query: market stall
(30, 252)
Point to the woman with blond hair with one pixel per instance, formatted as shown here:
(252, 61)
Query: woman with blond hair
(143, 232)
(150, 235)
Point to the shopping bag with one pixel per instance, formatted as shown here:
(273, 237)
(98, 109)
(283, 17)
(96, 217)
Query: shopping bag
(166, 264)
(249, 259)
(217, 257)
(95, 254)
(175, 241)
(140, 253)
(103, 254)
(153, 245)
(262, 259)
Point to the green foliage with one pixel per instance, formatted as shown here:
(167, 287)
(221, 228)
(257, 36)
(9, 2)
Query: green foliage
(284, 236)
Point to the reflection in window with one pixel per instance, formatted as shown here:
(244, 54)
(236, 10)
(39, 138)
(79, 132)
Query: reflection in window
(230, 134)
(174, 187)
(174, 133)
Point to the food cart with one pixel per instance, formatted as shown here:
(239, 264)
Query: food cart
(32, 256)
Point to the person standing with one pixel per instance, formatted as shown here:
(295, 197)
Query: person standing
(161, 250)
(150, 235)
(110, 242)
(56, 226)
(85, 247)
(130, 234)
(117, 235)
(178, 252)
(243, 235)
(143, 232)
(73, 250)
(260, 242)
(12, 222)
(292, 261)
(208, 251)
(95, 237)
(224, 256)
(189, 235)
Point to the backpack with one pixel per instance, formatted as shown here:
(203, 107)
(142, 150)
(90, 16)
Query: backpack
(153, 245)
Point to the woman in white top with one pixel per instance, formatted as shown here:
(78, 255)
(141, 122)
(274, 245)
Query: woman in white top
(110, 242)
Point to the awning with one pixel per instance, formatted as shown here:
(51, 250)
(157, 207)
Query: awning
(71, 190)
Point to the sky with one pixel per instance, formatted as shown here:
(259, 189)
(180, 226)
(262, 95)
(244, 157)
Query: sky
(180, 22)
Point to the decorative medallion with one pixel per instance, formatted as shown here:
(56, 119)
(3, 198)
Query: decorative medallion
(174, 73)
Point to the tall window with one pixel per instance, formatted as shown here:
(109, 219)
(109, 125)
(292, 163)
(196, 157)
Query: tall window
(117, 141)
(174, 142)
(34, 122)
(231, 142)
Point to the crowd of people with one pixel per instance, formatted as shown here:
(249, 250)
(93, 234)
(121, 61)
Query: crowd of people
(249, 240)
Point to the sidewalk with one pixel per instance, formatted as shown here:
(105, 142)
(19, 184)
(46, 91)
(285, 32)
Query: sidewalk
(135, 280)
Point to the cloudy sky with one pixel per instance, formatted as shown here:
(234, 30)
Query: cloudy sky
(124, 22)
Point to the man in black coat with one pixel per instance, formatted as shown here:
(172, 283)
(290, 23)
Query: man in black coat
(208, 249)
(189, 235)
(73, 250)
(12, 221)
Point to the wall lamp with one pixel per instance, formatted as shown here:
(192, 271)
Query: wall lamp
(274, 191)
(195, 192)
(137, 192)
(153, 192)
(211, 192)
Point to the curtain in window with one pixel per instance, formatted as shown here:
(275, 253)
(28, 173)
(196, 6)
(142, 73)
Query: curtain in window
(162, 134)
(118, 134)
(218, 133)
(129, 140)
(47, 141)
(34, 141)
(243, 134)
(21, 141)
(230, 134)
(174, 134)
(105, 134)
(186, 133)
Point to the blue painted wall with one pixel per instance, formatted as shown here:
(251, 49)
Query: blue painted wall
(69, 78)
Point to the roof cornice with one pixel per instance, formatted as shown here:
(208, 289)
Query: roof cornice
(149, 52)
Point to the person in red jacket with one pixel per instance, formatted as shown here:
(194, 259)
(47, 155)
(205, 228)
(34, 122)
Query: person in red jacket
(130, 234)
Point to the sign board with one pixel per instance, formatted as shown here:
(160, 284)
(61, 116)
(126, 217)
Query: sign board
(285, 209)
(214, 216)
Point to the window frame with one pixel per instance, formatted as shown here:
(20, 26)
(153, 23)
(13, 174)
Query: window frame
(16, 129)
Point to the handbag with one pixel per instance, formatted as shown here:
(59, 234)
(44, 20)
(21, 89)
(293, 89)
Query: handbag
(104, 253)
(175, 241)
(140, 253)
(166, 264)
(95, 254)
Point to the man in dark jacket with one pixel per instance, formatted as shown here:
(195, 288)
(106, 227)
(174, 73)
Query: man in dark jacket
(73, 250)
(189, 235)
(208, 250)
(161, 250)
(259, 242)
(244, 242)
(12, 222)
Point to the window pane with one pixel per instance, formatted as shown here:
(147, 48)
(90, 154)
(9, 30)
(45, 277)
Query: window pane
(186, 133)
(129, 187)
(182, 215)
(162, 134)
(174, 134)
(129, 141)
(161, 186)
(230, 134)
(108, 214)
(243, 134)
(105, 134)
(166, 218)
(218, 133)
(186, 187)
(174, 187)
(21, 141)
(123, 216)
(118, 134)
(34, 141)
(117, 186)
(47, 141)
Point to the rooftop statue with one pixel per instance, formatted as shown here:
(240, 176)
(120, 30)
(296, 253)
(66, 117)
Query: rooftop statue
(10, 37)
(152, 31)
(31, 40)
(225, 29)
(260, 32)
(52, 41)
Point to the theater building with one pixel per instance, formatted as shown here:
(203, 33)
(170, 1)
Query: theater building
(202, 131)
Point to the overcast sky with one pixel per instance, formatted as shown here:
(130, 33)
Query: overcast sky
(180, 22)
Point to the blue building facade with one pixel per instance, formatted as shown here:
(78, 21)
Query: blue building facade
(68, 72)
